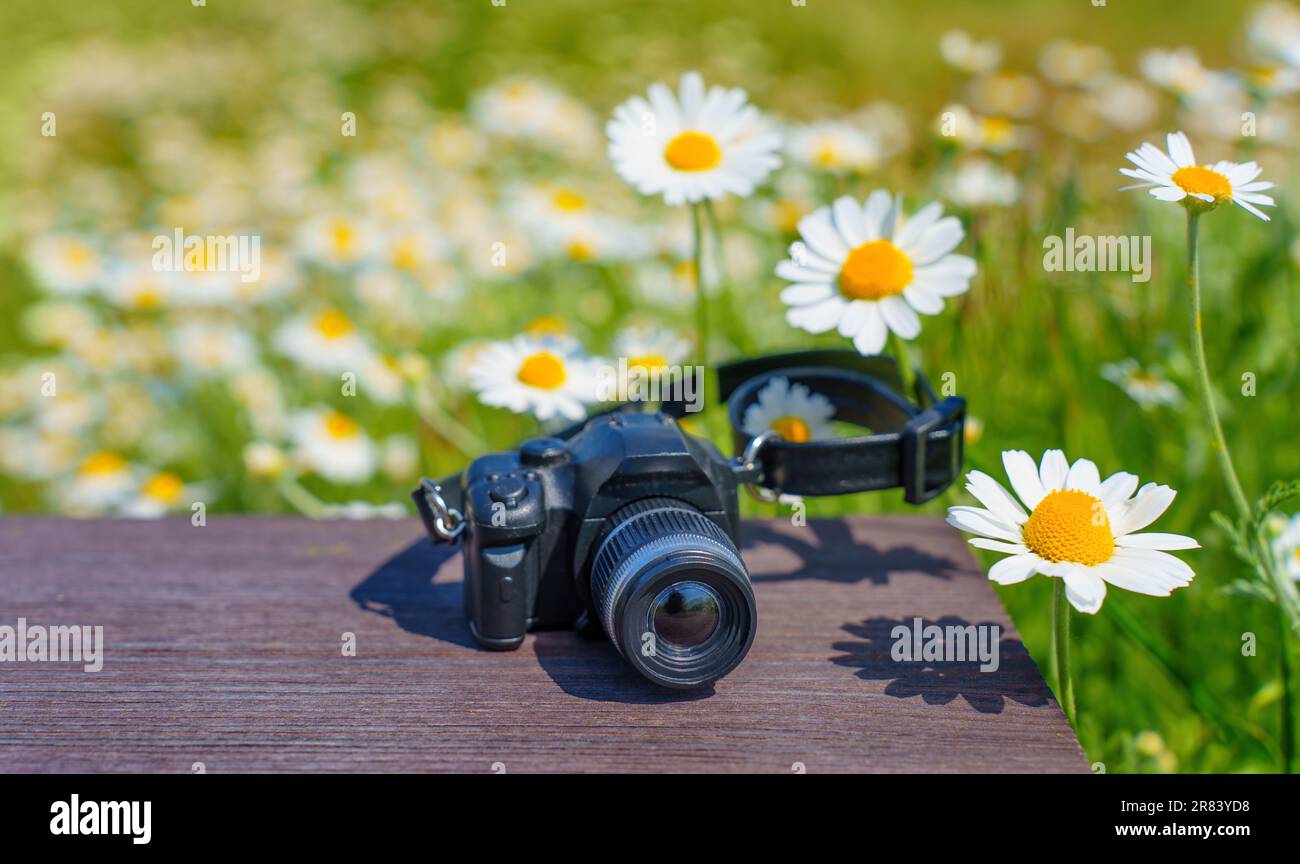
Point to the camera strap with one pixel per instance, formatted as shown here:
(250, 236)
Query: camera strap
(916, 445)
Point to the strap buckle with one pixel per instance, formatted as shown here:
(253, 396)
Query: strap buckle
(443, 522)
(749, 464)
(916, 440)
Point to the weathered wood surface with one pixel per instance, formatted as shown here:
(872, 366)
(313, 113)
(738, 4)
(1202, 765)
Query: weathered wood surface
(223, 646)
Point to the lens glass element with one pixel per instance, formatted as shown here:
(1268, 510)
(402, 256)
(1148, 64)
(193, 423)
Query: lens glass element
(686, 614)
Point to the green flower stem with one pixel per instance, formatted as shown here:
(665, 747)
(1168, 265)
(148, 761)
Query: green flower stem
(701, 300)
(1288, 693)
(1061, 649)
(1211, 414)
(429, 408)
(303, 501)
(1267, 567)
(737, 333)
(905, 370)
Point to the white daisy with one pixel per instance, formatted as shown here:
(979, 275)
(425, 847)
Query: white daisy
(1076, 526)
(208, 349)
(1148, 388)
(264, 460)
(834, 146)
(694, 146)
(532, 111)
(102, 481)
(981, 183)
(1286, 547)
(381, 380)
(158, 495)
(67, 263)
(1273, 33)
(790, 410)
(1176, 177)
(960, 51)
(1067, 63)
(338, 240)
(412, 250)
(333, 445)
(867, 270)
(651, 350)
(565, 221)
(1178, 71)
(547, 377)
(326, 341)
(135, 285)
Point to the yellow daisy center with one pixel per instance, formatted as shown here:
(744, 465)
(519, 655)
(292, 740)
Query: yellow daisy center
(827, 155)
(103, 462)
(165, 487)
(406, 254)
(579, 250)
(650, 363)
(1068, 525)
(333, 324)
(79, 255)
(568, 201)
(340, 426)
(1195, 180)
(542, 370)
(693, 151)
(792, 428)
(344, 239)
(147, 297)
(546, 325)
(875, 270)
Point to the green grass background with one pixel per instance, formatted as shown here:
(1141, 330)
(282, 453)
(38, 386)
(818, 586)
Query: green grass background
(1025, 346)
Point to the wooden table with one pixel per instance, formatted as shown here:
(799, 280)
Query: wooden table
(224, 646)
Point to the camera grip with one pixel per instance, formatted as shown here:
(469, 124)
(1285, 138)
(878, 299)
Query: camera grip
(498, 595)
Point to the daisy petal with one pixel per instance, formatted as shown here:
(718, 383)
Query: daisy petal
(1083, 476)
(1015, 569)
(976, 520)
(1123, 575)
(819, 233)
(1023, 474)
(998, 500)
(998, 546)
(871, 335)
(1180, 149)
(1136, 514)
(1157, 540)
(848, 220)
(875, 212)
(1085, 590)
(817, 317)
(1116, 489)
(1054, 470)
(900, 317)
(804, 293)
(923, 300)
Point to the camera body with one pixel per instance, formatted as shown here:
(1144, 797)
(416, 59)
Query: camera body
(630, 525)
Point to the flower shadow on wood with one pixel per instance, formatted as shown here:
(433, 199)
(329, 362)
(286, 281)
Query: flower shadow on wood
(937, 682)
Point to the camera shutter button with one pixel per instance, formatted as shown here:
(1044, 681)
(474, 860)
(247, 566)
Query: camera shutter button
(542, 451)
(508, 491)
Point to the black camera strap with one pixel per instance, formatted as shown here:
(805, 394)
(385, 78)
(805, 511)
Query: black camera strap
(915, 445)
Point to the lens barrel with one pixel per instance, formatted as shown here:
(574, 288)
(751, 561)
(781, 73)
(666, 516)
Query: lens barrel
(672, 592)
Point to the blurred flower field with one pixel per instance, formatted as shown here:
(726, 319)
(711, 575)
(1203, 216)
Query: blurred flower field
(436, 206)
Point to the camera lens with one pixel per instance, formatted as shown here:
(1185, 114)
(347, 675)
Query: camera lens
(672, 593)
(685, 614)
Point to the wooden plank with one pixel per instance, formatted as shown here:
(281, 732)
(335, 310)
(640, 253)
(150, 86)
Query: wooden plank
(223, 646)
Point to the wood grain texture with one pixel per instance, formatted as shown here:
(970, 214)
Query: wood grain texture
(223, 646)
